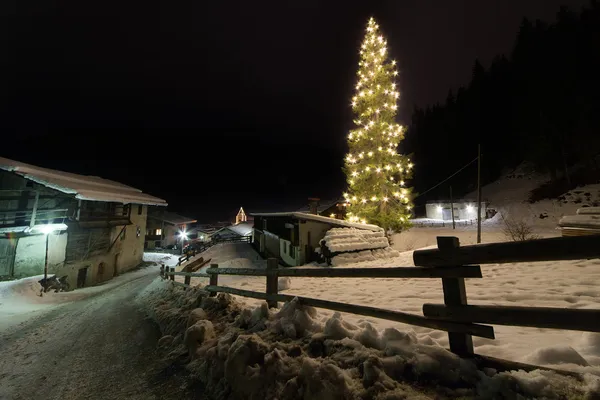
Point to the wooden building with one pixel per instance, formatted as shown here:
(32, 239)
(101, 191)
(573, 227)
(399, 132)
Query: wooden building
(164, 228)
(85, 227)
(293, 237)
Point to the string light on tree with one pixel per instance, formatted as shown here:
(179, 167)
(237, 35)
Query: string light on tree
(376, 173)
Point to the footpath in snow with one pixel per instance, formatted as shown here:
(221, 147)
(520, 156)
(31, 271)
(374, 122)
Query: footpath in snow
(569, 284)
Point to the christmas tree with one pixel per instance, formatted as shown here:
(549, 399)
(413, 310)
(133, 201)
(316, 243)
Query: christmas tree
(376, 173)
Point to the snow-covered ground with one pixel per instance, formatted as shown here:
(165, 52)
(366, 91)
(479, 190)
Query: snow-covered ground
(20, 299)
(568, 284)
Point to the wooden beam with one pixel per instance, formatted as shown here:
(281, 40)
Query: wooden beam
(411, 319)
(455, 293)
(272, 281)
(552, 249)
(537, 317)
(192, 274)
(399, 272)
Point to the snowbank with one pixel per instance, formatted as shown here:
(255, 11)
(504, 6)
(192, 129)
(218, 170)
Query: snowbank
(581, 221)
(169, 260)
(243, 352)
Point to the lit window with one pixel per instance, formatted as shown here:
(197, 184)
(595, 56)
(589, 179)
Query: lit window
(159, 232)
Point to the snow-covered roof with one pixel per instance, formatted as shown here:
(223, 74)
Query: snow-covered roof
(242, 229)
(321, 218)
(84, 187)
(171, 218)
(588, 211)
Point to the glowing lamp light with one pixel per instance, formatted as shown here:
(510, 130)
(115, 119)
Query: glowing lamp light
(469, 208)
(332, 216)
(49, 228)
(439, 208)
(183, 235)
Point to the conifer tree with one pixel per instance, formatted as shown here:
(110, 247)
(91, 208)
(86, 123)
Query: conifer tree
(376, 174)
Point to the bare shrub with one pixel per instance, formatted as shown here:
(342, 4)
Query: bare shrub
(517, 230)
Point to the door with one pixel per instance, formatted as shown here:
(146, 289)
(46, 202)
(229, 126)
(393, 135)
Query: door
(81, 277)
(116, 267)
(7, 256)
(447, 214)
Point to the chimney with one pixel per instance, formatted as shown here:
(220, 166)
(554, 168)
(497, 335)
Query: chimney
(313, 204)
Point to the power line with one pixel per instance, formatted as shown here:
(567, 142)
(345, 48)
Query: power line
(430, 189)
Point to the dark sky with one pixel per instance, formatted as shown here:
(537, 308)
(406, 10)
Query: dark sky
(214, 105)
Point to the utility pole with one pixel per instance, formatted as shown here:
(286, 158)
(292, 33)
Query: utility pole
(479, 193)
(452, 209)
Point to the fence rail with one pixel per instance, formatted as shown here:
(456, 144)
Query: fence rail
(451, 263)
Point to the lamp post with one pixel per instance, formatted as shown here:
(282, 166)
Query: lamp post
(47, 230)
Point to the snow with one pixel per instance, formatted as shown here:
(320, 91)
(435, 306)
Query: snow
(242, 229)
(169, 260)
(20, 299)
(565, 284)
(581, 221)
(320, 218)
(588, 210)
(242, 350)
(352, 239)
(84, 187)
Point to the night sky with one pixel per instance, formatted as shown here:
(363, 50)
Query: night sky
(213, 106)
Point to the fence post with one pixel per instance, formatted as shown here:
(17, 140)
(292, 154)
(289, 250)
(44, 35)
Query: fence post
(272, 264)
(455, 294)
(213, 280)
(162, 271)
(172, 269)
(187, 279)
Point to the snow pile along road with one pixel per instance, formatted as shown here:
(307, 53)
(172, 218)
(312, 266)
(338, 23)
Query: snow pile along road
(245, 352)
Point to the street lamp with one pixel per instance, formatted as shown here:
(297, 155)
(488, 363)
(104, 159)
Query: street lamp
(46, 230)
(183, 236)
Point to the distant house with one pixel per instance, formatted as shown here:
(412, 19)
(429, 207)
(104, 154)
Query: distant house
(85, 227)
(164, 228)
(293, 237)
(335, 208)
(240, 230)
(463, 210)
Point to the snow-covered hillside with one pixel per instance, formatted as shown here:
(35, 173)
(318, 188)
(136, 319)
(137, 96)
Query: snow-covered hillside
(510, 196)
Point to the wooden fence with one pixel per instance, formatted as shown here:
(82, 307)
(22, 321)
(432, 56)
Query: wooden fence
(449, 262)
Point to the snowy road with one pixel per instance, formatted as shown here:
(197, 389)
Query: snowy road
(101, 347)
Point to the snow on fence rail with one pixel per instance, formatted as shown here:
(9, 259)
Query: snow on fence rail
(460, 320)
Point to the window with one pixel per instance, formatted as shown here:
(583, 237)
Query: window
(158, 232)
(140, 209)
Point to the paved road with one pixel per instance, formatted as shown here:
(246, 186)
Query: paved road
(101, 347)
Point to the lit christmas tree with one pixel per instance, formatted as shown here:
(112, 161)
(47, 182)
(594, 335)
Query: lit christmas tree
(376, 173)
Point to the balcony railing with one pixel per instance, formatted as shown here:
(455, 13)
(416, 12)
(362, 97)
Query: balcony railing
(13, 218)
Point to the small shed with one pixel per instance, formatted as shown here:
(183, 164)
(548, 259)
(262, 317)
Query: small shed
(293, 237)
(585, 223)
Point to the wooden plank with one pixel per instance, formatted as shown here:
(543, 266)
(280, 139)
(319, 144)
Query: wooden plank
(552, 249)
(537, 317)
(193, 274)
(501, 365)
(197, 267)
(272, 265)
(455, 293)
(411, 319)
(188, 267)
(214, 278)
(472, 271)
